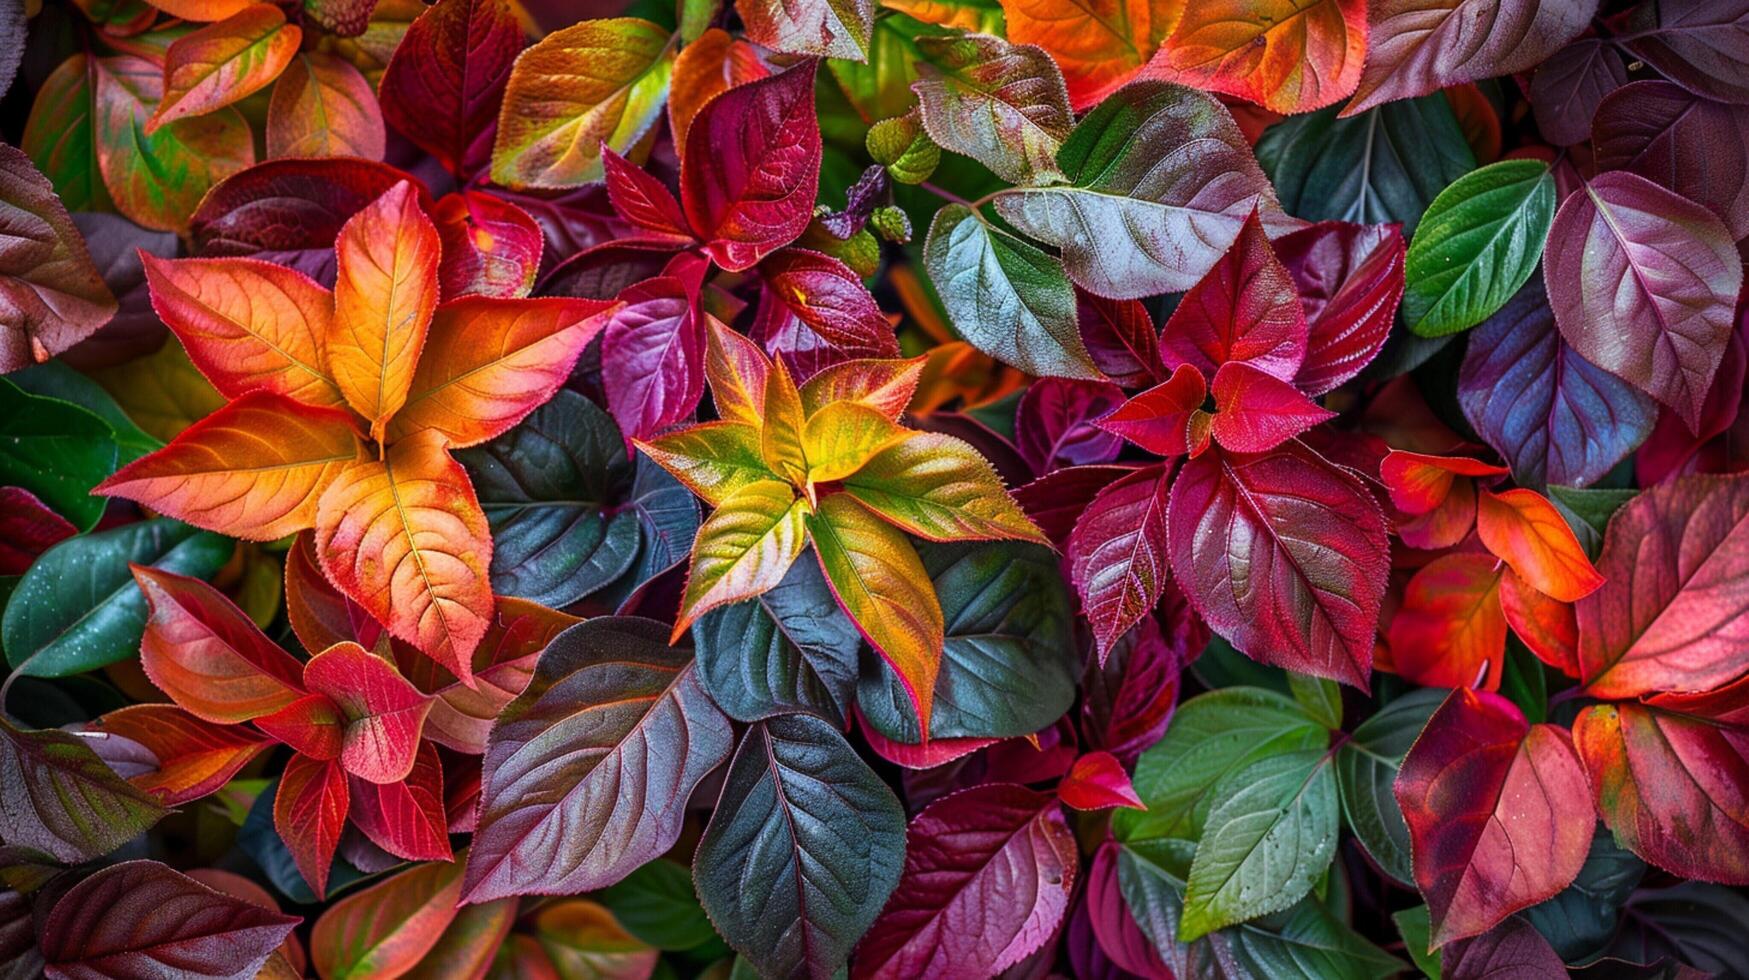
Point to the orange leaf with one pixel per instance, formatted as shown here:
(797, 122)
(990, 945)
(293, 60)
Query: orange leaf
(205, 653)
(1286, 55)
(736, 369)
(252, 469)
(323, 107)
(1099, 44)
(405, 538)
(1550, 629)
(383, 301)
(225, 62)
(1526, 531)
(1450, 630)
(488, 362)
(195, 757)
(884, 385)
(201, 10)
(248, 324)
(704, 69)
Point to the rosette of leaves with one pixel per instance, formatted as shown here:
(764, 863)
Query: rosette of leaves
(827, 464)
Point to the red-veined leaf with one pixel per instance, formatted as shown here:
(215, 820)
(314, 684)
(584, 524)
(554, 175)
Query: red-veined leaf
(1350, 280)
(1246, 309)
(405, 818)
(309, 812)
(1117, 554)
(1256, 411)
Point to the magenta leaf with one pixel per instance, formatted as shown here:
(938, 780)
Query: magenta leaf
(1055, 502)
(1246, 309)
(826, 296)
(1160, 419)
(1097, 781)
(1121, 338)
(1128, 701)
(1053, 424)
(653, 346)
(1258, 411)
(1283, 553)
(1117, 554)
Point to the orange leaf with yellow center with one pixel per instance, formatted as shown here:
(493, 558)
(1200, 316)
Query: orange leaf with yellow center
(1528, 533)
(253, 469)
(248, 324)
(842, 436)
(405, 538)
(488, 362)
(384, 296)
(737, 370)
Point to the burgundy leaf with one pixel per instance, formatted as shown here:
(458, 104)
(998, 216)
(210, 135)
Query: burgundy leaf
(1127, 702)
(1671, 448)
(1512, 950)
(642, 199)
(1350, 279)
(1702, 45)
(1644, 282)
(490, 246)
(1055, 501)
(443, 85)
(825, 295)
(1246, 309)
(1695, 147)
(1121, 338)
(1258, 411)
(1567, 89)
(1119, 936)
(1284, 554)
(1053, 424)
(293, 204)
(27, 529)
(1117, 554)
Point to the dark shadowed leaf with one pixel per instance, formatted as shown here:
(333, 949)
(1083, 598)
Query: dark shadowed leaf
(1695, 147)
(1366, 766)
(57, 796)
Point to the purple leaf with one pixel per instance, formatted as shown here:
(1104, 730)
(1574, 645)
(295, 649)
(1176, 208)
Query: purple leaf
(1350, 280)
(1697, 148)
(1053, 425)
(653, 348)
(1567, 88)
(1701, 45)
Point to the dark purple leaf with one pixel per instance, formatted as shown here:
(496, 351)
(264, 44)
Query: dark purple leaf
(1567, 88)
(1701, 45)
(1053, 425)
(1697, 148)
(1350, 280)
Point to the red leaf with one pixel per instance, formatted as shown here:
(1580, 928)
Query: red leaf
(382, 711)
(998, 855)
(1258, 411)
(1097, 781)
(1669, 777)
(1283, 553)
(654, 346)
(1055, 501)
(309, 812)
(1245, 309)
(444, 84)
(1115, 928)
(312, 726)
(141, 919)
(642, 199)
(1159, 419)
(320, 614)
(407, 818)
(936, 752)
(1117, 554)
(1671, 613)
(27, 529)
(1128, 701)
(461, 717)
(490, 246)
(1547, 626)
(194, 757)
(1120, 337)
(386, 929)
(208, 655)
(1489, 803)
(1450, 630)
(751, 166)
(1350, 279)
(290, 204)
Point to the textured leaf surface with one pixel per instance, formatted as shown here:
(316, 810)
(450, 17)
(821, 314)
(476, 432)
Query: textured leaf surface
(225, 62)
(1117, 554)
(1289, 56)
(825, 29)
(1478, 242)
(60, 798)
(323, 107)
(54, 294)
(1350, 280)
(385, 929)
(1699, 45)
(444, 84)
(1001, 104)
(1246, 309)
(1691, 145)
(205, 653)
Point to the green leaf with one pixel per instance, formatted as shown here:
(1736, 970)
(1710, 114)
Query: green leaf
(1479, 241)
(1588, 511)
(1008, 666)
(1211, 736)
(56, 450)
(1006, 297)
(1269, 838)
(1366, 766)
(1004, 105)
(789, 650)
(1386, 164)
(901, 145)
(1581, 920)
(656, 903)
(1416, 927)
(59, 136)
(545, 487)
(57, 380)
(1523, 681)
(1320, 697)
(78, 608)
(62, 799)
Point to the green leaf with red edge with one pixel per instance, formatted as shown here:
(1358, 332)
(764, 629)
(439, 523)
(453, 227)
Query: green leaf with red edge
(195, 758)
(323, 107)
(387, 928)
(446, 79)
(713, 460)
(1489, 803)
(310, 805)
(1117, 554)
(60, 135)
(587, 773)
(382, 712)
(65, 801)
(1289, 56)
(939, 488)
(208, 655)
(225, 62)
(53, 291)
(405, 818)
(490, 246)
(750, 168)
(1669, 616)
(140, 918)
(1002, 104)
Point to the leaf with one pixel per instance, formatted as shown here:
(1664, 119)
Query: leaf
(56, 451)
(999, 853)
(581, 938)
(60, 137)
(1691, 145)
(825, 294)
(1097, 781)
(1385, 165)
(1055, 424)
(1008, 298)
(1450, 630)
(27, 529)
(656, 903)
(876, 576)
(555, 119)
(1582, 920)
(224, 62)
(820, 28)
(1552, 414)
(77, 608)
(443, 86)
(713, 459)
(323, 107)
(1668, 615)
(382, 712)
(1246, 309)
(548, 487)
(1514, 947)
(470, 942)
(387, 928)
(140, 918)
(309, 812)
(1660, 279)
(744, 548)
(656, 342)
(1284, 554)
(189, 758)
(642, 200)
(750, 167)
(289, 204)
(405, 818)
(1258, 411)
(1100, 44)
(802, 851)
(158, 179)
(62, 799)
(1366, 768)
(383, 301)
(1421, 46)
(490, 246)
(1288, 56)
(249, 325)
(1349, 278)
(404, 537)
(587, 773)
(1525, 531)
(1001, 104)
(937, 487)
(1488, 801)
(461, 717)
(1567, 89)
(253, 469)
(1698, 45)
(789, 649)
(1007, 667)
(1126, 167)
(207, 655)
(1479, 241)
(1117, 555)
(312, 726)
(488, 362)
(704, 69)
(54, 294)
(1270, 835)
